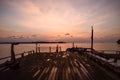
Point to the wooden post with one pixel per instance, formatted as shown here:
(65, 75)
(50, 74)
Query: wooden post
(39, 49)
(22, 55)
(76, 46)
(12, 53)
(115, 59)
(60, 48)
(36, 47)
(73, 44)
(49, 49)
(92, 38)
(33, 51)
(57, 49)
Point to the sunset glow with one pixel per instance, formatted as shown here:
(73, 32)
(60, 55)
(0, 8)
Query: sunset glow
(59, 20)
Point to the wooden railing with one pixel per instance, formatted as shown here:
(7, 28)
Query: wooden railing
(108, 51)
(20, 54)
(104, 54)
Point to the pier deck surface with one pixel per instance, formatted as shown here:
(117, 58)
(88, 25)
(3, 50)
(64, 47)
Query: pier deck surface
(55, 66)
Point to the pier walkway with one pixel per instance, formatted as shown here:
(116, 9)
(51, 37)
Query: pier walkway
(56, 66)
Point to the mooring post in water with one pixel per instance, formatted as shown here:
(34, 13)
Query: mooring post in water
(92, 38)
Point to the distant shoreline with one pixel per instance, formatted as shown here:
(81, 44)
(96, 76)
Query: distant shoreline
(29, 42)
(47, 42)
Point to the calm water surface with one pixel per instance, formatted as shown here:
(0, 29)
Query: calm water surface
(5, 48)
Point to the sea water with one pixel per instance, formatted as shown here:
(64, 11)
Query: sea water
(5, 49)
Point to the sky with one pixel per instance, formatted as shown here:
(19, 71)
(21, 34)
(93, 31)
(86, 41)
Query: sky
(59, 20)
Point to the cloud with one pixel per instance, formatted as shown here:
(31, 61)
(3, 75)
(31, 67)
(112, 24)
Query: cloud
(67, 34)
(47, 18)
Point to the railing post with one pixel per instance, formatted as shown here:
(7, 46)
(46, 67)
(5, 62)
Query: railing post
(22, 55)
(49, 49)
(36, 47)
(115, 59)
(12, 53)
(39, 49)
(73, 45)
(92, 39)
(33, 51)
(60, 48)
(57, 49)
(76, 46)
(28, 52)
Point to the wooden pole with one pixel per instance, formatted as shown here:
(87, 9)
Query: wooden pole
(115, 59)
(73, 45)
(49, 49)
(39, 49)
(76, 46)
(60, 48)
(33, 51)
(36, 47)
(92, 38)
(22, 55)
(12, 53)
(57, 49)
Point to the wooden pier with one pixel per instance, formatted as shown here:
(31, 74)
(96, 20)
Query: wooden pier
(56, 66)
(76, 64)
